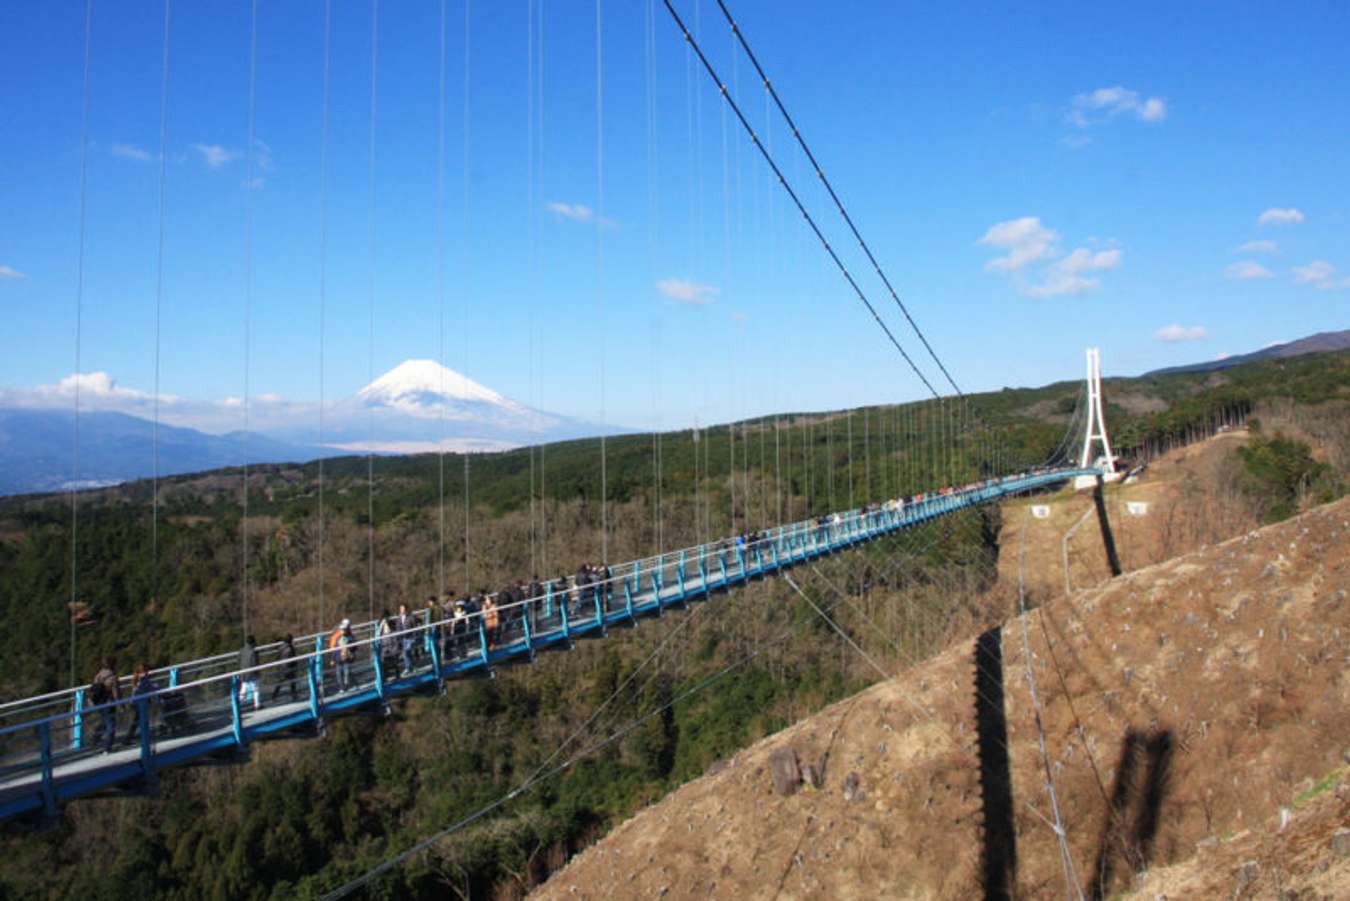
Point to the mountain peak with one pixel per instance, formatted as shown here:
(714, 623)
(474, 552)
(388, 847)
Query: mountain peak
(415, 385)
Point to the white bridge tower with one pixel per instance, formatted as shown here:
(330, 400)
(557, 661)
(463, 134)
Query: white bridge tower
(1096, 421)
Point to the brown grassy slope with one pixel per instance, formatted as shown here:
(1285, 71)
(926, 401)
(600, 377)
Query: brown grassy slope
(1235, 653)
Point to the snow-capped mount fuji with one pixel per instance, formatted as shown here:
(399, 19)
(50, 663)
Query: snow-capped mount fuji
(420, 406)
(425, 388)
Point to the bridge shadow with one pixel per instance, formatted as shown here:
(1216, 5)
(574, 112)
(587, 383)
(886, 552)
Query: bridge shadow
(1143, 776)
(998, 857)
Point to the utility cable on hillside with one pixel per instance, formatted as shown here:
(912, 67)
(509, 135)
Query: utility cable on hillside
(801, 208)
(1065, 857)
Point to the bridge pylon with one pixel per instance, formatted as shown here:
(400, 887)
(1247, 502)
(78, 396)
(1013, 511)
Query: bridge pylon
(1095, 433)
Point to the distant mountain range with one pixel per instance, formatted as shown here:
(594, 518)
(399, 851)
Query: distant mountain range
(1322, 342)
(417, 407)
(37, 450)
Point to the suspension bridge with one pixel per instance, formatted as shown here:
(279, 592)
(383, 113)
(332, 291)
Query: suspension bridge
(59, 746)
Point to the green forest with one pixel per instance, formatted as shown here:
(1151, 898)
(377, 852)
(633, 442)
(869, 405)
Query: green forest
(171, 583)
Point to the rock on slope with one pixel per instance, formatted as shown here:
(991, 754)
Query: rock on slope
(1181, 704)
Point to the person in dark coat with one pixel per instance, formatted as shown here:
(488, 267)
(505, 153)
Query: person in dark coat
(289, 672)
(142, 683)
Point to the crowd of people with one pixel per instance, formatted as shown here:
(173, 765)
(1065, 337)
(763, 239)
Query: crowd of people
(454, 624)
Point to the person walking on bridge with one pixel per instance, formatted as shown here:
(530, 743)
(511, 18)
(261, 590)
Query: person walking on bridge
(342, 653)
(104, 690)
(491, 619)
(402, 624)
(248, 681)
(288, 673)
(142, 683)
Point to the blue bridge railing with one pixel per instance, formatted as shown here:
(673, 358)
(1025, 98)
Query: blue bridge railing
(59, 746)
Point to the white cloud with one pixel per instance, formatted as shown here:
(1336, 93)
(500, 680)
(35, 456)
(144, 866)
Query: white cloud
(1103, 104)
(1029, 243)
(262, 155)
(100, 392)
(1223, 356)
(1026, 240)
(1280, 216)
(1313, 273)
(216, 156)
(1258, 247)
(1321, 275)
(1058, 283)
(683, 290)
(577, 212)
(1084, 260)
(1176, 332)
(97, 390)
(1245, 271)
(9, 272)
(130, 152)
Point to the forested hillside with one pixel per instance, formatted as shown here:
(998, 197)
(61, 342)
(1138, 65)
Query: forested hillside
(306, 815)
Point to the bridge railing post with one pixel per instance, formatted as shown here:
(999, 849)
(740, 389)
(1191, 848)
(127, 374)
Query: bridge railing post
(236, 718)
(315, 681)
(435, 649)
(482, 638)
(77, 721)
(376, 659)
(142, 713)
(318, 659)
(45, 752)
(529, 633)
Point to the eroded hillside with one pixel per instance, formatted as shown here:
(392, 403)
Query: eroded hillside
(1183, 706)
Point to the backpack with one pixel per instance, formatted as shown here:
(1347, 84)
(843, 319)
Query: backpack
(98, 694)
(334, 640)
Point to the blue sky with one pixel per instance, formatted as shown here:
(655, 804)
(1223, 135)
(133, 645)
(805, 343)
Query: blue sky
(1033, 180)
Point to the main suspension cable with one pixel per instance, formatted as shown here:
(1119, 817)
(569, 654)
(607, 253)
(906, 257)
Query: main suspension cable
(820, 173)
(801, 208)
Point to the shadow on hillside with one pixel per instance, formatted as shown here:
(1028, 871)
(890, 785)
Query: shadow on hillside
(1141, 784)
(998, 857)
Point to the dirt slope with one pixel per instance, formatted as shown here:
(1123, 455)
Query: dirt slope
(1183, 706)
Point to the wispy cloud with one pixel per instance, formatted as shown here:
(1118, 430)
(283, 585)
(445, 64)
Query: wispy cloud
(1280, 216)
(1321, 275)
(1103, 104)
(9, 272)
(577, 212)
(130, 152)
(1175, 332)
(683, 290)
(1245, 271)
(216, 156)
(1258, 247)
(100, 391)
(1036, 263)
